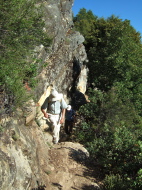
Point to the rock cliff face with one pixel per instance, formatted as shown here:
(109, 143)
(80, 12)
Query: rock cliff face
(28, 159)
(67, 54)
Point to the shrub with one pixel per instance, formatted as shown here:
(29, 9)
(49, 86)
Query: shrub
(21, 31)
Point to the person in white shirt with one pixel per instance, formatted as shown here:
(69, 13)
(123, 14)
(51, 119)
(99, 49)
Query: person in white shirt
(54, 109)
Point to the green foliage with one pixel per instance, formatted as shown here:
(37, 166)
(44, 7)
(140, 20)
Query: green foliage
(138, 181)
(114, 182)
(111, 128)
(114, 51)
(111, 131)
(84, 21)
(15, 137)
(1, 128)
(48, 172)
(21, 31)
(118, 182)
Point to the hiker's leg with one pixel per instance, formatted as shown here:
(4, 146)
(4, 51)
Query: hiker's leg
(66, 126)
(70, 126)
(58, 132)
(56, 127)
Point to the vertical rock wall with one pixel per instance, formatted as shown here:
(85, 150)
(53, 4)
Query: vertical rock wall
(67, 49)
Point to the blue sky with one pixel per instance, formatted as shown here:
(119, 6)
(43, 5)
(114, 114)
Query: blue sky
(124, 9)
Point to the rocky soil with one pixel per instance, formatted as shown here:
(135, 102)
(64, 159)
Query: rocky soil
(68, 168)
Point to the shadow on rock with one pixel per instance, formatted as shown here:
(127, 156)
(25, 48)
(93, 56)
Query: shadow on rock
(78, 99)
(79, 156)
(57, 185)
(40, 187)
(90, 187)
(83, 158)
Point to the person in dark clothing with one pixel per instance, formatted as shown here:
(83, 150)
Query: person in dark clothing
(69, 120)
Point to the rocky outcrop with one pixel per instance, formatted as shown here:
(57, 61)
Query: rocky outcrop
(28, 159)
(66, 55)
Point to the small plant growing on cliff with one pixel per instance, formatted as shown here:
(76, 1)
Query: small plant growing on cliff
(15, 136)
(48, 172)
(1, 128)
(49, 144)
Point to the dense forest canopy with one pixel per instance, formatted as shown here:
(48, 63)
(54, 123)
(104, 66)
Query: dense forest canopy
(112, 121)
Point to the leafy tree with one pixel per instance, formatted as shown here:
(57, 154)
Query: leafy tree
(111, 132)
(84, 21)
(21, 31)
(114, 51)
(111, 126)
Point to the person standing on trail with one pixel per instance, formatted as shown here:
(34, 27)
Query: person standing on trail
(69, 120)
(54, 108)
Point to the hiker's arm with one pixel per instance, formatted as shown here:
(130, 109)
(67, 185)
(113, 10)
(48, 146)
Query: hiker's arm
(45, 113)
(62, 116)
